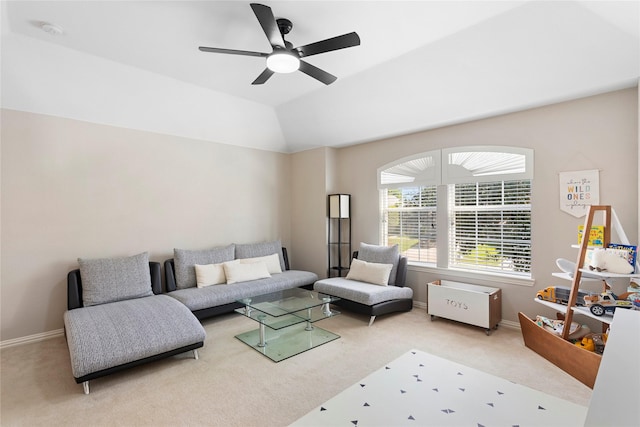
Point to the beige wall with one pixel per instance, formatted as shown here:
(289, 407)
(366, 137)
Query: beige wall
(313, 177)
(599, 132)
(71, 189)
(308, 204)
(74, 189)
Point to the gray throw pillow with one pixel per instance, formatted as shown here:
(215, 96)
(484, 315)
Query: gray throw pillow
(114, 279)
(185, 261)
(253, 250)
(382, 255)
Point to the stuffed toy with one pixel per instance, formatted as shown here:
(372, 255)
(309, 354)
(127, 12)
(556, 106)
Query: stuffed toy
(610, 261)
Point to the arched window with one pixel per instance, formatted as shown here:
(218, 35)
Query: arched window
(465, 207)
(408, 199)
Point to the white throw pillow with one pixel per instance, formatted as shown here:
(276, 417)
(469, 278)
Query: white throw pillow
(210, 274)
(272, 261)
(369, 272)
(239, 272)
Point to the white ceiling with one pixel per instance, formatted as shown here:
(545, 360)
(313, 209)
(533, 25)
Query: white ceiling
(421, 64)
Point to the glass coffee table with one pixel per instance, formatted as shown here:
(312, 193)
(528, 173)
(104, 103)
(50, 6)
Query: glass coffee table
(286, 321)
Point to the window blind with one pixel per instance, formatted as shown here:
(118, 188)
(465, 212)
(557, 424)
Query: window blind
(409, 220)
(414, 171)
(490, 226)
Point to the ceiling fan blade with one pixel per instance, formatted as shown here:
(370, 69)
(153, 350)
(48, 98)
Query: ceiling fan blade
(334, 43)
(263, 77)
(232, 51)
(317, 73)
(268, 24)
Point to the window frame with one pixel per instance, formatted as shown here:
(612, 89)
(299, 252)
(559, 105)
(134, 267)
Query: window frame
(414, 215)
(444, 172)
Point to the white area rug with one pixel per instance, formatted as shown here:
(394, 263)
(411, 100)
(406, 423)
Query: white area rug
(419, 389)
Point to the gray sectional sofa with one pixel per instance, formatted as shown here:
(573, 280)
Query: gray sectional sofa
(210, 300)
(116, 318)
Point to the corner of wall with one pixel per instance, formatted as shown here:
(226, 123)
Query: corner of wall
(311, 173)
(331, 159)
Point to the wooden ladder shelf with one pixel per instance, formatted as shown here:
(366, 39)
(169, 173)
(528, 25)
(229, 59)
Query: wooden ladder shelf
(577, 362)
(577, 274)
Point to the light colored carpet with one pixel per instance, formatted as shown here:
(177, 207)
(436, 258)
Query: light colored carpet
(233, 385)
(421, 389)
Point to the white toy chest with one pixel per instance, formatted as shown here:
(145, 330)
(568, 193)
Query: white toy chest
(472, 304)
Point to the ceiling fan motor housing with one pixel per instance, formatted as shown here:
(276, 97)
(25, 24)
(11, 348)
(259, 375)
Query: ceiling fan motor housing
(284, 25)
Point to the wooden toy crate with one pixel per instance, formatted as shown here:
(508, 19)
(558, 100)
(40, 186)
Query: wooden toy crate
(472, 304)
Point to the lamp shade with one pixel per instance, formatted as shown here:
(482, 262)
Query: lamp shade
(283, 62)
(339, 205)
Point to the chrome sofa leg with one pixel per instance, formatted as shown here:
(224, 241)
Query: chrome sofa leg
(85, 387)
(371, 320)
(195, 354)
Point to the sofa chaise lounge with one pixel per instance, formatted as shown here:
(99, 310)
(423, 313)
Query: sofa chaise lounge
(116, 318)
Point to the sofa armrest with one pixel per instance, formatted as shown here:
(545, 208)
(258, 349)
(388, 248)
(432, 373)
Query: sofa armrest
(285, 257)
(401, 275)
(170, 275)
(74, 285)
(74, 290)
(156, 277)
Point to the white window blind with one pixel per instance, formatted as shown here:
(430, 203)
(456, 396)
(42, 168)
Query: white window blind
(409, 220)
(485, 194)
(415, 171)
(490, 226)
(485, 164)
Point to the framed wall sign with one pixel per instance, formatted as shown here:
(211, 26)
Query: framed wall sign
(578, 190)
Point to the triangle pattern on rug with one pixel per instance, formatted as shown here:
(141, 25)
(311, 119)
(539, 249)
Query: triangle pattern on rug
(459, 398)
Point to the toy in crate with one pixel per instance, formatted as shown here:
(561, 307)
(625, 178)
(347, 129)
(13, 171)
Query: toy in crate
(576, 331)
(593, 342)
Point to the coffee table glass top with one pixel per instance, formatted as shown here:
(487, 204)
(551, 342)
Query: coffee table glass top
(288, 301)
(288, 315)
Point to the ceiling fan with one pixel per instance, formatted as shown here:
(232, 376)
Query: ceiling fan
(285, 58)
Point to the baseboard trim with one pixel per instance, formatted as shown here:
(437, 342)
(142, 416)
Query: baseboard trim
(510, 324)
(31, 338)
(505, 323)
(60, 332)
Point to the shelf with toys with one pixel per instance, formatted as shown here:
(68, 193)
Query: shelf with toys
(554, 345)
(589, 278)
(605, 318)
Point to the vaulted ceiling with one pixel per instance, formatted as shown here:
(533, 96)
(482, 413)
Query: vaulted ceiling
(421, 65)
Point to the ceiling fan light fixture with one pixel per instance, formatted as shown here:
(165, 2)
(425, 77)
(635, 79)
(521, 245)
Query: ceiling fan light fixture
(284, 58)
(283, 62)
